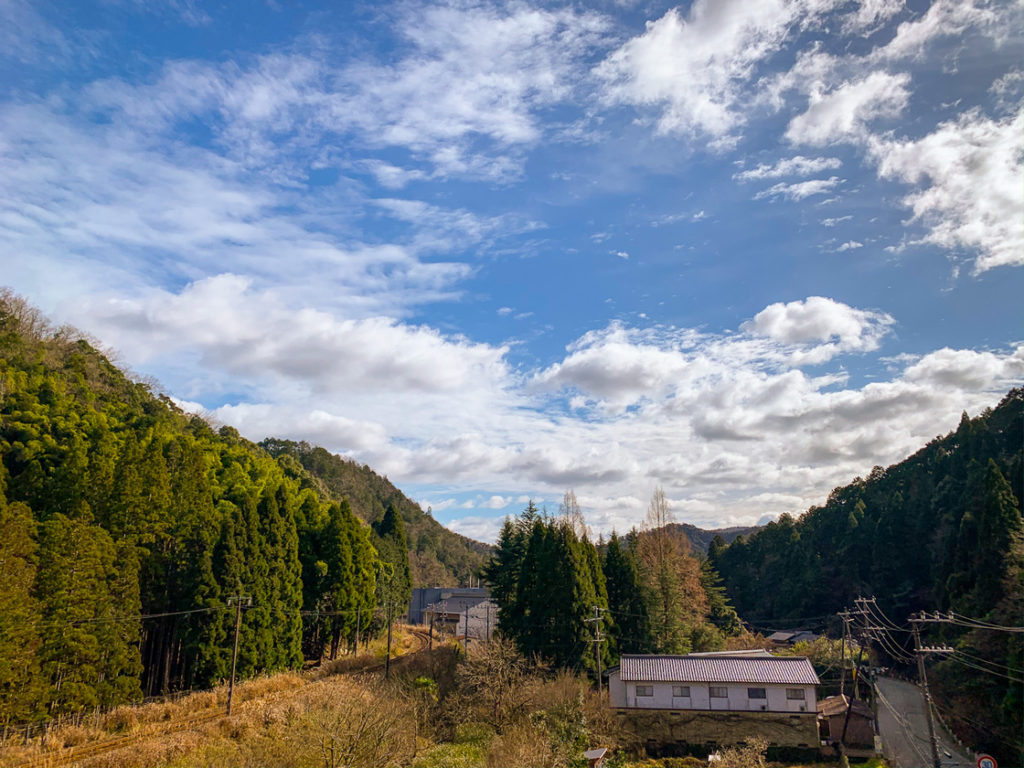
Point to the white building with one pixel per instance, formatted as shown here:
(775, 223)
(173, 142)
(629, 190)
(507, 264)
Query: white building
(729, 682)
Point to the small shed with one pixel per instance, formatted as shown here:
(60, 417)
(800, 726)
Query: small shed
(792, 637)
(595, 757)
(860, 728)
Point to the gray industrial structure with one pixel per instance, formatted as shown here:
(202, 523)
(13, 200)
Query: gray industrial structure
(456, 610)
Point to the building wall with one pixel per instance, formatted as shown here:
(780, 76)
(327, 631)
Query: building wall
(624, 695)
(660, 728)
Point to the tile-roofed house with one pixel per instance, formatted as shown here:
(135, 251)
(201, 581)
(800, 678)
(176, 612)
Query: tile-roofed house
(739, 682)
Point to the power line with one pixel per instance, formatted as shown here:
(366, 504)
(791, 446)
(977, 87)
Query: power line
(955, 657)
(993, 663)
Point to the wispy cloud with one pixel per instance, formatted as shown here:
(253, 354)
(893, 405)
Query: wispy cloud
(800, 189)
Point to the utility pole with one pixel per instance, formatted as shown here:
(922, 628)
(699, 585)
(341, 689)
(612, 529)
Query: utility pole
(598, 639)
(356, 652)
(237, 600)
(487, 608)
(842, 684)
(431, 646)
(919, 652)
(467, 629)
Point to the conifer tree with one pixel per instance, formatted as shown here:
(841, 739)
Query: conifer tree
(632, 628)
(21, 692)
(394, 548)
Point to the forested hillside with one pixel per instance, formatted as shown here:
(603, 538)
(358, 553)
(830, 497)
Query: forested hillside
(437, 556)
(128, 531)
(701, 538)
(939, 531)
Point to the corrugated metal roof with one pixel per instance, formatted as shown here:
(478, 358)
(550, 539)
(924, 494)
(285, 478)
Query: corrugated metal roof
(779, 670)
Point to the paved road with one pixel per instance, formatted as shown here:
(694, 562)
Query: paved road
(904, 729)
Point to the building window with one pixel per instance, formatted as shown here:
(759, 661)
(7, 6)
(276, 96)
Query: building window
(644, 690)
(795, 694)
(756, 693)
(719, 692)
(681, 691)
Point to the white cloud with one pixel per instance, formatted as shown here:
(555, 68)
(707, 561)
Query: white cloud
(870, 14)
(967, 369)
(969, 195)
(944, 18)
(843, 114)
(849, 245)
(694, 69)
(831, 222)
(462, 95)
(790, 166)
(800, 189)
(477, 527)
(819, 319)
(252, 334)
(391, 176)
(495, 502)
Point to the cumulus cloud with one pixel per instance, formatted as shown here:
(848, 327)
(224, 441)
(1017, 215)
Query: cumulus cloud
(968, 175)
(849, 245)
(251, 333)
(819, 319)
(967, 369)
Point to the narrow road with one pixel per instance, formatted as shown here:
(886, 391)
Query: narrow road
(903, 726)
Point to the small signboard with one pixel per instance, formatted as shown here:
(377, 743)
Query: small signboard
(987, 761)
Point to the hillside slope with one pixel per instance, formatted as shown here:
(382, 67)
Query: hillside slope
(437, 556)
(128, 528)
(941, 530)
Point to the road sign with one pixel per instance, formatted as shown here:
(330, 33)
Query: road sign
(987, 761)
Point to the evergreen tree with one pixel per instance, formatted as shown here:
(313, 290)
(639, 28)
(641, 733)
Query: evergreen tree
(394, 549)
(631, 632)
(21, 691)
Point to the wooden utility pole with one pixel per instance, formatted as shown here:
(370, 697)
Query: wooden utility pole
(467, 629)
(356, 652)
(237, 600)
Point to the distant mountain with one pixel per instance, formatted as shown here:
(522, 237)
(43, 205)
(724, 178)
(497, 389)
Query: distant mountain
(700, 538)
(437, 556)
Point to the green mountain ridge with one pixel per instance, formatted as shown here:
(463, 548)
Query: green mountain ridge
(437, 556)
(939, 531)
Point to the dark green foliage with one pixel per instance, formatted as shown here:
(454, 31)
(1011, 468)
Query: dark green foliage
(20, 686)
(631, 632)
(389, 539)
(547, 582)
(438, 557)
(940, 530)
(115, 505)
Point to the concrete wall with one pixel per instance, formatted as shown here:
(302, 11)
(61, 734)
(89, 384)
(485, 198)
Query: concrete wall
(624, 695)
(661, 727)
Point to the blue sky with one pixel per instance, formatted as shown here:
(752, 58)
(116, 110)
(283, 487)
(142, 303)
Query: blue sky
(742, 251)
